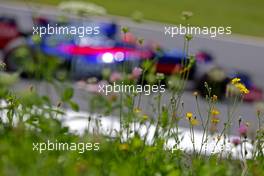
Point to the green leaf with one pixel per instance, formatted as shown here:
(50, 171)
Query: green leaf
(74, 106)
(67, 94)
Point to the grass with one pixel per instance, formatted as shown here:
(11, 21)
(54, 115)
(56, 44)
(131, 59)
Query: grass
(244, 16)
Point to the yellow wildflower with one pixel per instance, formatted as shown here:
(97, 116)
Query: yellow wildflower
(242, 88)
(235, 80)
(137, 110)
(215, 112)
(194, 122)
(215, 120)
(145, 117)
(189, 115)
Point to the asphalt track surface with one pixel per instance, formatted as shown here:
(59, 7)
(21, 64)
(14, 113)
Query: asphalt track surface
(239, 52)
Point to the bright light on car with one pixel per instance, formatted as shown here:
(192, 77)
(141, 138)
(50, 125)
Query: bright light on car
(119, 56)
(108, 58)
